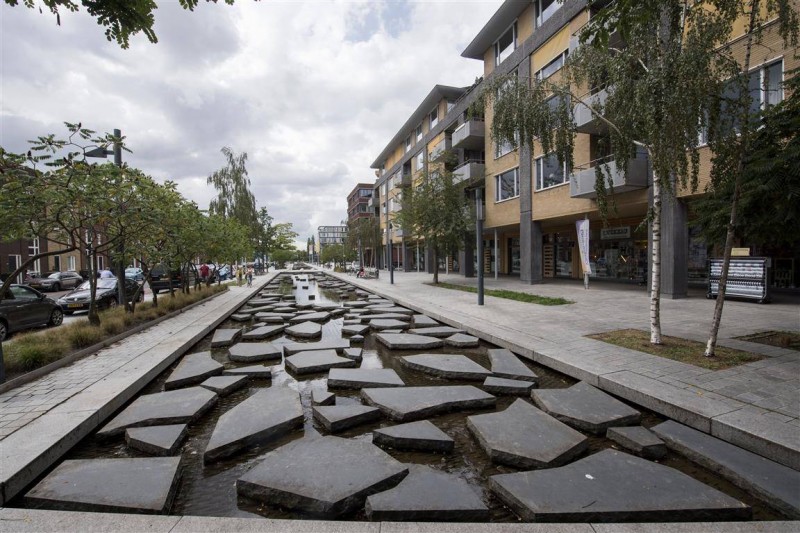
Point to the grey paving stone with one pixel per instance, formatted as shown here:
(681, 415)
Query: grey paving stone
(775, 484)
(417, 436)
(47, 521)
(508, 386)
(612, 486)
(263, 332)
(638, 440)
(311, 362)
(181, 406)
(451, 366)
(253, 371)
(353, 353)
(386, 316)
(427, 494)
(357, 339)
(320, 316)
(305, 330)
(424, 321)
(405, 404)
(380, 324)
(224, 385)
(354, 329)
(407, 341)
(157, 440)
(327, 344)
(143, 485)
(225, 337)
(585, 407)
(193, 368)
(505, 364)
(439, 331)
(241, 317)
(390, 309)
(359, 378)
(321, 397)
(253, 352)
(274, 318)
(462, 340)
(317, 485)
(778, 441)
(337, 418)
(522, 436)
(263, 417)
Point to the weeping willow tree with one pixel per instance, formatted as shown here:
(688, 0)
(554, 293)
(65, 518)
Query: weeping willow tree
(651, 73)
(234, 198)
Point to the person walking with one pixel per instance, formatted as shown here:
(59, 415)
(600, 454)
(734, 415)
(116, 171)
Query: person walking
(239, 275)
(250, 273)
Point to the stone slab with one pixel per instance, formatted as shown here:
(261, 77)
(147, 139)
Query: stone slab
(424, 321)
(253, 352)
(337, 418)
(263, 332)
(305, 330)
(241, 317)
(357, 339)
(274, 318)
(775, 484)
(311, 362)
(225, 337)
(301, 476)
(390, 309)
(407, 341)
(612, 486)
(193, 368)
(450, 366)
(253, 371)
(427, 494)
(142, 485)
(327, 344)
(18, 520)
(263, 417)
(360, 378)
(522, 436)
(157, 440)
(585, 407)
(508, 386)
(356, 354)
(386, 316)
(405, 404)
(639, 441)
(320, 316)
(505, 364)
(380, 324)
(224, 385)
(354, 329)
(760, 434)
(440, 331)
(321, 397)
(422, 435)
(181, 406)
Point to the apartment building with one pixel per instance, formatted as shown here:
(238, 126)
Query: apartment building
(328, 235)
(14, 253)
(358, 202)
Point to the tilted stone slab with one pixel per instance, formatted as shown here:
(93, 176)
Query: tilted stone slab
(253, 352)
(181, 406)
(311, 362)
(157, 440)
(586, 407)
(359, 378)
(254, 310)
(241, 317)
(263, 332)
(224, 385)
(263, 417)
(505, 364)
(310, 317)
(351, 321)
(353, 329)
(424, 321)
(440, 331)
(193, 368)
(427, 494)
(357, 339)
(356, 354)
(253, 371)
(386, 316)
(451, 366)
(321, 397)
(284, 309)
(415, 436)
(638, 440)
(274, 318)
(355, 304)
(305, 330)
(405, 404)
(508, 386)
(775, 484)
(522, 436)
(393, 331)
(461, 340)
(141, 485)
(337, 418)
(390, 309)
(326, 344)
(380, 324)
(225, 337)
(406, 341)
(612, 486)
(326, 476)
(256, 302)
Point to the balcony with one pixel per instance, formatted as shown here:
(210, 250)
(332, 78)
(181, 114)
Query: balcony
(583, 179)
(396, 206)
(470, 135)
(440, 148)
(397, 233)
(585, 120)
(470, 170)
(372, 203)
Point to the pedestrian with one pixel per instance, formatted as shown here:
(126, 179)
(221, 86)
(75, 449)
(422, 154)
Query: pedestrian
(106, 274)
(239, 275)
(250, 276)
(204, 272)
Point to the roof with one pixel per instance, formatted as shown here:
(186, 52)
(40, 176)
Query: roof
(500, 21)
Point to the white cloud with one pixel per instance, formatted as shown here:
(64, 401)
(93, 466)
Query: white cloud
(312, 91)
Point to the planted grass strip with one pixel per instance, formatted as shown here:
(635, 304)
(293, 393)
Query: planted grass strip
(781, 339)
(508, 295)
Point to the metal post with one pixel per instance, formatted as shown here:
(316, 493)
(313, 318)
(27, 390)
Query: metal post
(391, 259)
(479, 232)
(496, 258)
(585, 273)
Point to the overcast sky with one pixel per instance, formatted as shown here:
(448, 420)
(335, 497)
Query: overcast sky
(312, 91)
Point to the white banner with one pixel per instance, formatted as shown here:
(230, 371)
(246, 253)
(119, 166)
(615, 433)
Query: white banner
(582, 229)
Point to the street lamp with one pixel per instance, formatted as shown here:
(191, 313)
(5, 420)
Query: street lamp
(479, 216)
(391, 259)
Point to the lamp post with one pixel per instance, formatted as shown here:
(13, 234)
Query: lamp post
(391, 259)
(479, 231)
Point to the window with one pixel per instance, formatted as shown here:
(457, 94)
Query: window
(33, 249)
(418, 133)
(365, 193)
(505, 45)
(450, 106)
(552, 67)
(544, 9)
(57, 263)
(420, 160)
(549, 172)
(434, 116)
(506, 185)
(408, 144)
(554, 102)
(71, 263)
(501, 149)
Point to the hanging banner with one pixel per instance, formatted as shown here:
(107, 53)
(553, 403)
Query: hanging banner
(582, 229)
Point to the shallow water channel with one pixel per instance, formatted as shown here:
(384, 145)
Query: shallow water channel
(210, 490)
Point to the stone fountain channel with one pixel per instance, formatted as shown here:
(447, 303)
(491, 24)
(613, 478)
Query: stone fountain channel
(457, 459)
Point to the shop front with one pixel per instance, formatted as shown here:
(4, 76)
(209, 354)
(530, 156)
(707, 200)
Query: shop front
(619, 253)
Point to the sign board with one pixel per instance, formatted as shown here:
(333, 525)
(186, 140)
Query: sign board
(740, 252)
(621, 232)
(582, 229)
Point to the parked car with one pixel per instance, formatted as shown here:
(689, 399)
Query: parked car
(134, 273)
(22, 308)
(160, 278)
(56, 281)
(106, 296)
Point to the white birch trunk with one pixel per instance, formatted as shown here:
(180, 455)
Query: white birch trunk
(655, 270)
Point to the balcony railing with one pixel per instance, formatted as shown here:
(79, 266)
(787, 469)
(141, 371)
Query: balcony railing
(585, 120)
(470, 135)
(440, 147)
(583, 179)
(471, 169)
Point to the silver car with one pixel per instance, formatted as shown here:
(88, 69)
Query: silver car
(57, 281)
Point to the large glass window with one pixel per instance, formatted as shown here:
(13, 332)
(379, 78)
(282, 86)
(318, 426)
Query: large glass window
(764, 87)
(544, 9)
(420, 160)
(549, 172)
(434, 116)
(552, 67)
(419, 133)
(408, 143)
(506, 185)
(505, 45)
(503, 148)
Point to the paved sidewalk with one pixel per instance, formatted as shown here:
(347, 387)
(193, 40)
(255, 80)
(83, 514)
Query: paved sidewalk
(755, 406)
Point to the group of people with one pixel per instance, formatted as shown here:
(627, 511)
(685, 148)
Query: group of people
(241, 272)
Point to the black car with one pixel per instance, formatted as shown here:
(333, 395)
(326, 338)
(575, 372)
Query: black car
(160, 279)
(106, 295)
(56, 281)
(22, 307)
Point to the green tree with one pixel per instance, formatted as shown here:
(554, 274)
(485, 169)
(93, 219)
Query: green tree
(364, 234)
(234, 199)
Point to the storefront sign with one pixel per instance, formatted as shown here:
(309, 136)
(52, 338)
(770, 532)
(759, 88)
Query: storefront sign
(609, 234)
(582, 229)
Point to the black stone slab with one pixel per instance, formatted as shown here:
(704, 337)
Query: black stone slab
(253, 371)
(775, 484)
(427, 495)
(612, 486)
(353, 353)
(326, 476)
(522, 436)
(357, 339)
(224, 385)
(359, 378)
(638, 440)
(353, 329)
(263, 417)
(440, 331)
(505, 386)
(305, 330)
(405, 404)
(263, 332)
(140, 485)
(193, 369)
(386, 316)
(414, 436)
(253, 352)
(451, 366)
(337, 418)
(406, 341)
(327, 344)
(157, 440)
(585, 407)
(311, 362)
(274, 318)
(505, 364)
(225, 337)
(321, 397)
